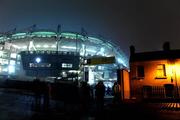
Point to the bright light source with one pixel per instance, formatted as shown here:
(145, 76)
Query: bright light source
(11, 69)
(38, 46)
(13, 55)
(24, 47)
(68, 47)
(1, 53)
(91, 77)
(5, 70)
(64, 74)
(53, 46)
(88, 50)
(12, 62)
(45, 46)
(38, 60)
(119, 60)
(102, 50)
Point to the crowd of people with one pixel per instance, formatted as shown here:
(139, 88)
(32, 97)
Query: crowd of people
(85, 93)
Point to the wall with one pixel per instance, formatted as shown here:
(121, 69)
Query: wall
(150, 69)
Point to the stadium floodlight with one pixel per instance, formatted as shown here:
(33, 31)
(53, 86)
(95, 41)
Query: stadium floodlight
(24, 47)
(90, 50)
(68, 47)
(102, 50)
(38, 59)
(45, 46)
(53, 46)
(38, 46)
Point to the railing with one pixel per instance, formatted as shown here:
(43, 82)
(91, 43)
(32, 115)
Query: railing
(156, 92)
(153, 92)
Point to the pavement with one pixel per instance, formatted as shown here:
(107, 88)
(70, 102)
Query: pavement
(18, 105)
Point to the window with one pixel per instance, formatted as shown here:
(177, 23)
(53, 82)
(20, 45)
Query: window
(160, 71)
(13, 55)
(66, 65)
(140, 71)
(12, 62)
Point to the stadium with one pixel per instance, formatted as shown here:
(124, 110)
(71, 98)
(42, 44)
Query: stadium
(82, 56)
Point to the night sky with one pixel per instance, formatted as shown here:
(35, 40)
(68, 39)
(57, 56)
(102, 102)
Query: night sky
(146, 24)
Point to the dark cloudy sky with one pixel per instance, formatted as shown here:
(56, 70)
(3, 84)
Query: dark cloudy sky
(146, 24)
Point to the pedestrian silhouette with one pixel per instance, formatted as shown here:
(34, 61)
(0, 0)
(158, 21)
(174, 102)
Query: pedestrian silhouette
(85, 95)
(46, 92)
(117, 99)
(37, 93)
(99, 95)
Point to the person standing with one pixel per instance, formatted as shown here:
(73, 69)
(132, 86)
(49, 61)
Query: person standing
(85, 95)
(117, 93)
(37, 92)
(99, 95)
(46, 95)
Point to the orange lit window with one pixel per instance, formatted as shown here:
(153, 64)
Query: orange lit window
(160, 71)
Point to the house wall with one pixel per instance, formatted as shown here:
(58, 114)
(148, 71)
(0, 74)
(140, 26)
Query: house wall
(150, 75)
(126, 84)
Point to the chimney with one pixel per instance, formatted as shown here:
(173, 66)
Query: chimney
(132, 49)
(166, 46)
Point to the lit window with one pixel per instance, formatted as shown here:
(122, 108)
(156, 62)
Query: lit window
(11, 69)
(12, 62)
(100, 68)
(140, 71)
(18, 57)
(5, 69)
(66, 65)
(13, 55)
(1, 53)
(4, 62)
(160, 71)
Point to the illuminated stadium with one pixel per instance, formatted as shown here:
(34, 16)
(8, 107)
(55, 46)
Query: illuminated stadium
(77, 45)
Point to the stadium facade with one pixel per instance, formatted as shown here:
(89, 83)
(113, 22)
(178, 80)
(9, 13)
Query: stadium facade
(85, 46)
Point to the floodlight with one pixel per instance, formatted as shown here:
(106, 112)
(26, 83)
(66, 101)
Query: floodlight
(38, 60)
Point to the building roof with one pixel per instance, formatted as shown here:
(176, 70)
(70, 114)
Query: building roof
(155, 55)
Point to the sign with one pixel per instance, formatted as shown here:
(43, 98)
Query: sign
(101, 60)
(48, 63)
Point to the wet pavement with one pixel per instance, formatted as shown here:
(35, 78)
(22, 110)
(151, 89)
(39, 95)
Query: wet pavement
(18, 105)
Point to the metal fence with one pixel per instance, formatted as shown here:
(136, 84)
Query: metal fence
(156, 92)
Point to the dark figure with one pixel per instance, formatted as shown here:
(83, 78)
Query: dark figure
(37, 92)
(85, 95)
(117, 93)
(99, 95)
(46, 94)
